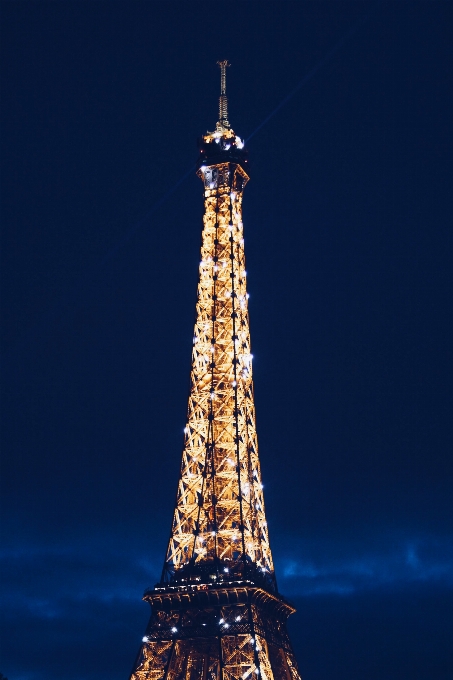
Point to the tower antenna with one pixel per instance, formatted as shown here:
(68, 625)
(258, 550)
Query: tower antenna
(223, 100)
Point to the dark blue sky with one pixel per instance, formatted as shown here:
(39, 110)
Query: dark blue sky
(347, 222)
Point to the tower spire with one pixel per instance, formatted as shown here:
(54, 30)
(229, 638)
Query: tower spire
(223, 99)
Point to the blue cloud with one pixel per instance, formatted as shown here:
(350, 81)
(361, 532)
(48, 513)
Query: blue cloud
(395, 567)
(86, 594)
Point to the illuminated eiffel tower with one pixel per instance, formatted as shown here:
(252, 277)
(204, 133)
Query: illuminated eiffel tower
(217, 613)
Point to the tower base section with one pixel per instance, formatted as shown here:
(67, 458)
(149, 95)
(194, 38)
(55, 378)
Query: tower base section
(208, 632)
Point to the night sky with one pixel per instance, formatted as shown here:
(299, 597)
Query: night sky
(347, 222)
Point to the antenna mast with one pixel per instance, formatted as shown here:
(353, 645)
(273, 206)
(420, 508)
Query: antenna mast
(223, 100)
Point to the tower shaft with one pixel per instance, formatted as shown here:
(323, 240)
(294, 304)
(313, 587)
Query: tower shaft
(219, 514)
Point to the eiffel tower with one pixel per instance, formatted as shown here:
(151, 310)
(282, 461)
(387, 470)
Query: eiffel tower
(216, 613)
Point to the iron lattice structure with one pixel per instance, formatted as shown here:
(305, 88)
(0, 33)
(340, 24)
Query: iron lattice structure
(217, 613)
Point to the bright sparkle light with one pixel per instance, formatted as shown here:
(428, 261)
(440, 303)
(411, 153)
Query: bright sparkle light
(222, 621)
(174, 630)
(144, 639)
(238, 618)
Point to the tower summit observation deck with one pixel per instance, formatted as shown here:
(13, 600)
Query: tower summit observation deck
(216, 613)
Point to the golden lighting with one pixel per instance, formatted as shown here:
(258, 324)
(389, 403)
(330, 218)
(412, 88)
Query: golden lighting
(217, 614)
